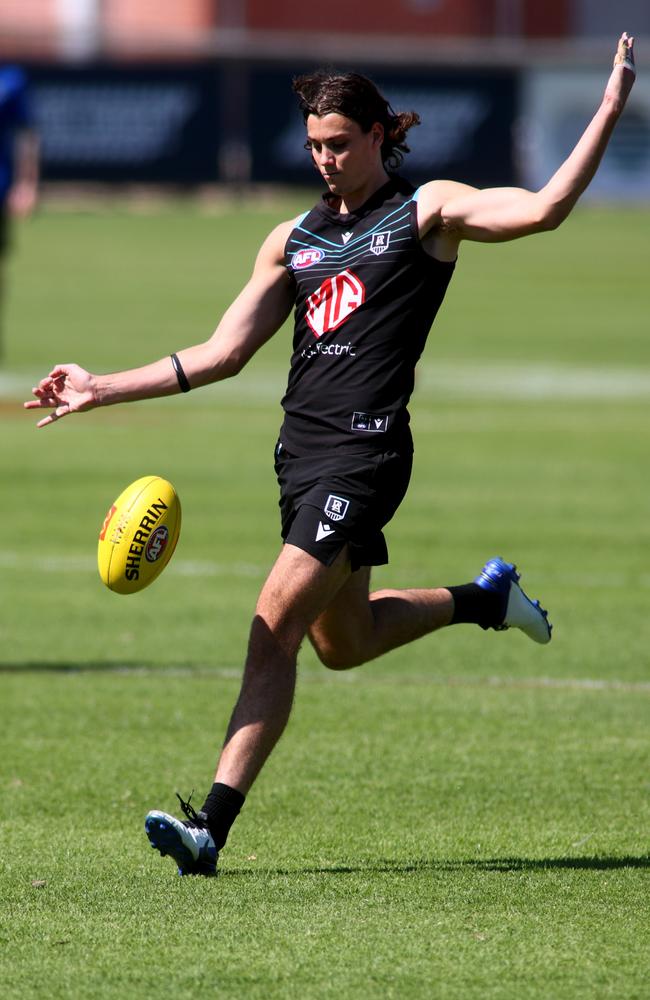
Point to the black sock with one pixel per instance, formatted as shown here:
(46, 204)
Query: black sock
(476, 604)
(222, 808)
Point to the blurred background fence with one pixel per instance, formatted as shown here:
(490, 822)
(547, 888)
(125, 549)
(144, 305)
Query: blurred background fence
(195, 92)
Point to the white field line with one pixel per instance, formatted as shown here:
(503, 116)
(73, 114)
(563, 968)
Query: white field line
(364, 675)
(533, 381)
(56, 562)
(444, 379)
(61, 563)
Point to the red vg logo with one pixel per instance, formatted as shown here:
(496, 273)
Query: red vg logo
(306, 258)
(336, 299)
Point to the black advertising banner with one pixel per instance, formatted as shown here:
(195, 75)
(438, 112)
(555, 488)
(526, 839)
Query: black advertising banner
(144, 124)
(466, 132)
(189, 124)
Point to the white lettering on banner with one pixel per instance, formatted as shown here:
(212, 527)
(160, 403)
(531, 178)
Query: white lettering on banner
(113, 122)
(336, 299)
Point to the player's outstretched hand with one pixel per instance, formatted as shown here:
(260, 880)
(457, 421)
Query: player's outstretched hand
(622, 79)
(67, 389)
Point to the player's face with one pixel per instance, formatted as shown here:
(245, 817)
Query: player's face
(347, 157)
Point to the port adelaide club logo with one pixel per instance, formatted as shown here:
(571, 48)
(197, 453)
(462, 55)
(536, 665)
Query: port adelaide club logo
(379, 242)
(336, 507)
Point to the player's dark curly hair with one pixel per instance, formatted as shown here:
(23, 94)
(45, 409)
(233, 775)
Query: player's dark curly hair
(356, 97)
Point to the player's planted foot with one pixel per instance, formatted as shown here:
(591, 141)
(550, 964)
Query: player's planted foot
(518, 610)
(188, 842)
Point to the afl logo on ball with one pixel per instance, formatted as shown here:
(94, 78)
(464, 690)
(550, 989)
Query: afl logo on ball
(157, 543)
(306, 258)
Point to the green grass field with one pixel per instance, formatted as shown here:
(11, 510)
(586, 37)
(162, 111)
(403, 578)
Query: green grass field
(466, 818)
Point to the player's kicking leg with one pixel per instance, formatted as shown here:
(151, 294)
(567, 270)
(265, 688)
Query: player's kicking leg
(357, 626)
(347, 626)
(297, 590)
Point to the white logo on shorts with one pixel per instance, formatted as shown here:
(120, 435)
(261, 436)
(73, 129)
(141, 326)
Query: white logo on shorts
(336, 507)
(324, 531)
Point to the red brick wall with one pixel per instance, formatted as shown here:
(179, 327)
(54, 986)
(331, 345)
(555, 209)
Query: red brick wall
(28, 27)
(448, 17)
(158, 17)
(547, 20)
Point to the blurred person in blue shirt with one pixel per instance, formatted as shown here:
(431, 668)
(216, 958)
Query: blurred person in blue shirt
(19, 157)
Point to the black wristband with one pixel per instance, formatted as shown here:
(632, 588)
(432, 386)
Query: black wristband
(180, 374)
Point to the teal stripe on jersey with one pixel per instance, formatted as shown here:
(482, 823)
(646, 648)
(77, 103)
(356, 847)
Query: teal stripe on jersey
(357, 239)
(341, 253)
(326, 266)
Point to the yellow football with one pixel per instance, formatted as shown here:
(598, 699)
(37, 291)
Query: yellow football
(139, 535)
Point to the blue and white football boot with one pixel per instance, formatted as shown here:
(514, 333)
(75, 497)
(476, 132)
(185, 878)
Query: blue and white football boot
(518, 610)
(188, 842)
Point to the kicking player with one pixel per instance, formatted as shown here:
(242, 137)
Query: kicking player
(365, 271)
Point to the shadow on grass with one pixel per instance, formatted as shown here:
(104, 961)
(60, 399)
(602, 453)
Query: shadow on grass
(476, 864)
(104, 666)
(542, 864)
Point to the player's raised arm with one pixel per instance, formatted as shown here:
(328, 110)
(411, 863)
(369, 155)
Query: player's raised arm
(459, 212)
(256, 314)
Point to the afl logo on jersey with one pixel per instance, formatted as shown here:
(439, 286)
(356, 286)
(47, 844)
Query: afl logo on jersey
(306, 258)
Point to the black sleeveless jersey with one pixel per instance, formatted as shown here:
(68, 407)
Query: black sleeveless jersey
(366, 294)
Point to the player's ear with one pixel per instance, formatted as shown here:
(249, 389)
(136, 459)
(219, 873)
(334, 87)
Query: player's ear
(377, 133)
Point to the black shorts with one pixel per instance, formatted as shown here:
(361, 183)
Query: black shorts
(335, 499)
